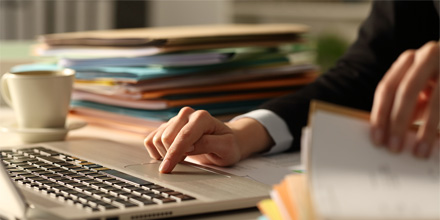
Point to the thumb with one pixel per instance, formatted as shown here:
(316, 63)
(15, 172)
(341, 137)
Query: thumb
(221, 149)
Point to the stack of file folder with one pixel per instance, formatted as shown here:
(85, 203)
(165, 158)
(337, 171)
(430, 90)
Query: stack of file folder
(290, 200)
(148, 74)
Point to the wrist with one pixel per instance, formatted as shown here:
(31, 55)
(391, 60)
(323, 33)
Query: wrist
(251, 136)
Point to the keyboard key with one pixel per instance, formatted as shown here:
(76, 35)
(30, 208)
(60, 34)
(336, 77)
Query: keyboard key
(73, 185)
(92, 166)
(107, 207)
(49, 175)
(91, 208)
(141, 200)
(26, 167)
(68, 192)
(126, 177)
(168, 200)
(123, 185)
(153, 196)
(92, 191)
(50, 160)
(91, 182)
(143, 192)
(162, 190)
(18, 161)
(23, 182)
(150, 187)
(95, 175)
(109, 198)
(6, 152)
(182, 197)
(131, 188)
(104, 178)
(123, 203)
(77, 169)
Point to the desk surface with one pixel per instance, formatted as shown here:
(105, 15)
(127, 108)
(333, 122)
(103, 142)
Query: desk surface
(8, 139)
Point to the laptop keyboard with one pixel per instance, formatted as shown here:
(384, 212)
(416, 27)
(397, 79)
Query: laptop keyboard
(81, 183)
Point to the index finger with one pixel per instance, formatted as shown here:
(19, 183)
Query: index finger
(200, 123)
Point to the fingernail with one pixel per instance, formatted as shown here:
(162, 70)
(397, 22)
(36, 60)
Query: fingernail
(422, 149)
(164, 166)
(378, 136)
(394, 144)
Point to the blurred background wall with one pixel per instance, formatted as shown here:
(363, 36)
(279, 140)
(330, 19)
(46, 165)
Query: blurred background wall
(333, 23)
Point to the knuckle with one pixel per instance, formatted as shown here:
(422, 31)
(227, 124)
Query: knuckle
(146, 141)
(167, 139)
(430, 50)
(162, 126)
(157, 141)
(183, 114)
(201, 114)
(385, 88)
(408, 54)
(186, 110)
(432, 47)
(382, 87)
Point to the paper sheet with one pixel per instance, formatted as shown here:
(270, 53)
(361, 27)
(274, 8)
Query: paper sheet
(351, 178)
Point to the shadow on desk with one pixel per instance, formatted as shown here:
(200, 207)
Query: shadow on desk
(241, 214)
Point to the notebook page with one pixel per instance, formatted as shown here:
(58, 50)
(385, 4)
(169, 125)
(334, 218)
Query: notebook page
(353, 179)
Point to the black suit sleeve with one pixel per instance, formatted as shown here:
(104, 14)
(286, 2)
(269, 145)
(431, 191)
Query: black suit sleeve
(353, 80)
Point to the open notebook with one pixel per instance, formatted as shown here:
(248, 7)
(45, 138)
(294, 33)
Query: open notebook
(348, 177)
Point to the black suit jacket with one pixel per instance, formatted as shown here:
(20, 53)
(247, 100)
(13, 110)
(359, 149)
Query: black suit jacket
(391, 28)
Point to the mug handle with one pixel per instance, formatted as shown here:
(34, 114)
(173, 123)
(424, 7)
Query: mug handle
(5, 90)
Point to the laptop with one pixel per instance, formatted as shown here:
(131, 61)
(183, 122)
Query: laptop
(100, 179)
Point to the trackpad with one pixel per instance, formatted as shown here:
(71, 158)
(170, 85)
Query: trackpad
(181, 173)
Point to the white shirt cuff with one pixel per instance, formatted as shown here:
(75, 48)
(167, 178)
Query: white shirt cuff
(275, 126)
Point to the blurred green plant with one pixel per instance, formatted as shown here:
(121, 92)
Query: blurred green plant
(329, 48)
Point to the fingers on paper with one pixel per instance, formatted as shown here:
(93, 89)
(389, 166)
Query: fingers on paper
(417, 79)
(427, 132)
(385, 94)
(398, 101)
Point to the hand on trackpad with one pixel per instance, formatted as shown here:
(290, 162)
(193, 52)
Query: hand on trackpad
(182, 172)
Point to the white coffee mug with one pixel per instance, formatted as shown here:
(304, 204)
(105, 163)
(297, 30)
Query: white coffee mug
(40, 99)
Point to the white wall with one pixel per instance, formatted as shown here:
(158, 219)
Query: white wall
(336, 17)
(189, 12)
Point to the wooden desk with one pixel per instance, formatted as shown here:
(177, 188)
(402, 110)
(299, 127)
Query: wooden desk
(93, 132)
